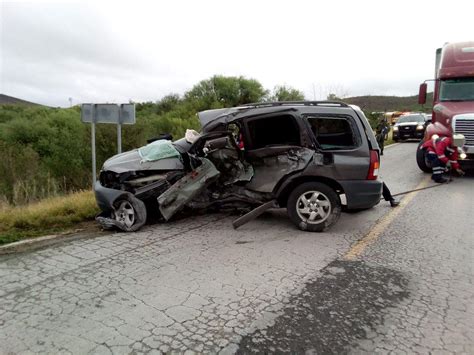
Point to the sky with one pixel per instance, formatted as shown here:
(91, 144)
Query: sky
(99, 51)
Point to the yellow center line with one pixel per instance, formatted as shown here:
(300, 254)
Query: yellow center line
(362, 244)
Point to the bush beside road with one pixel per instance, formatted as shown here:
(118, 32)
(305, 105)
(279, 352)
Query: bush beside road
(51, 215)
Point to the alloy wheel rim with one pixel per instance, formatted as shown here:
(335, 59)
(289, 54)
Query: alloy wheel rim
(313, 207)
(125, 213)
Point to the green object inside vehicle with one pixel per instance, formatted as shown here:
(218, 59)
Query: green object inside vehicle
(161, 149)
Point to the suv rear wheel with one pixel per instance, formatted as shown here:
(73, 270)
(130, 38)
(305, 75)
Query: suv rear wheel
(313, 206)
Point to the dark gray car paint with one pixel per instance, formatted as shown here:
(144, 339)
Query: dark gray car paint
(188, 187)
(351, 164)
(339, 165)
(270, 170)
(105, 197)
(362, 194)
(216, 119)
(209, 116)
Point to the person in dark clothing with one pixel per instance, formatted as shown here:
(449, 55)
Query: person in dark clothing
(387, 196)
(381, 132)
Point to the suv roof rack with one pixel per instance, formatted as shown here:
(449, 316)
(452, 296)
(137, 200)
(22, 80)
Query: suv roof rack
(294, 103)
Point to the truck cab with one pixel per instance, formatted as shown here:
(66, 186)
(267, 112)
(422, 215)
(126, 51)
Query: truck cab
(453, 97)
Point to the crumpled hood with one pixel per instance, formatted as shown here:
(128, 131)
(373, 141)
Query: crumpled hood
(131, 161)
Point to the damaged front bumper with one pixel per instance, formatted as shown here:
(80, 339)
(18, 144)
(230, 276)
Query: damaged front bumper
(110, 200)
(106, 197)
(172, 200)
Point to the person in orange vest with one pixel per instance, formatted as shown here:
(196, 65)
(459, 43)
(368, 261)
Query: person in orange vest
(442, 152)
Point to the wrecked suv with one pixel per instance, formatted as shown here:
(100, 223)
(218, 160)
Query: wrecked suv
(312, 158)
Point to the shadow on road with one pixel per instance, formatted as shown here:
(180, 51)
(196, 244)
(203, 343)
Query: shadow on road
(331, 313)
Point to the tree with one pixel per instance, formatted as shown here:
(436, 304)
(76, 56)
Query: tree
(286, 93)
(336, 92)
(225, 91)
(333, 97)
(168, 103)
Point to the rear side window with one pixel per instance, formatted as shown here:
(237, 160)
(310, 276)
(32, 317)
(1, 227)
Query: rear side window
(273, 131)
(334, 132)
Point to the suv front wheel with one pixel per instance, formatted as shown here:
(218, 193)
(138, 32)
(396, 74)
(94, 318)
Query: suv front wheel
(313, 207)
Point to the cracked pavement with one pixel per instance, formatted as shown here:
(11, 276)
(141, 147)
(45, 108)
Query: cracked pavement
(195, 284)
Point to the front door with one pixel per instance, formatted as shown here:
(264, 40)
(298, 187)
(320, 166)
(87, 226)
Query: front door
(273, 147)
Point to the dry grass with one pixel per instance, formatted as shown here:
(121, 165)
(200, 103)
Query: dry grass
(49, 215)
(390, 138)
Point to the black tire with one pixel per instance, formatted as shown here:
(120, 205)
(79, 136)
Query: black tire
(326, 214)
(129, 213)
(421, 160)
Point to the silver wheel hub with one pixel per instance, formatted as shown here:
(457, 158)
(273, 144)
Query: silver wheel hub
(313, 207)
(125, 213)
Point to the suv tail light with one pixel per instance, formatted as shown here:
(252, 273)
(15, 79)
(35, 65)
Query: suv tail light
(374, 165)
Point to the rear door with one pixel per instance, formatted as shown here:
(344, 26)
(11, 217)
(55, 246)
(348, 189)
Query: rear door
(340, 137)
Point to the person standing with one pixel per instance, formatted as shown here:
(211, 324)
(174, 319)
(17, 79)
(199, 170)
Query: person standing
(381, 132)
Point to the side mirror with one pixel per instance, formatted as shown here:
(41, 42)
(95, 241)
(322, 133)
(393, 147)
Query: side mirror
(422, 93)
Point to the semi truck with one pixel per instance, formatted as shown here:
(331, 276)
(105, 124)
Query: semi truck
(453, 100)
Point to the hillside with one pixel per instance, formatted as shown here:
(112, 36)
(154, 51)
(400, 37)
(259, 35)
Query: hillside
(10, 100)
(390, 103)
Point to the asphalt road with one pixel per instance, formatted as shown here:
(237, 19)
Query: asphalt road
(382, 280)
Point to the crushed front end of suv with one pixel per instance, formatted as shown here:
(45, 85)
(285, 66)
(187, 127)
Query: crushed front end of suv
(312, 158)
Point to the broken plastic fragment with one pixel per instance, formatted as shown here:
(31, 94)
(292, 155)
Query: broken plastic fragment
(191, 135)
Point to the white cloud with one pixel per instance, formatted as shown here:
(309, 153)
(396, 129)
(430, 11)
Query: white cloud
(116, 51)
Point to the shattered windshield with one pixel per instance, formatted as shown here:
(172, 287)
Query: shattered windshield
(457, 90)
(160, 149)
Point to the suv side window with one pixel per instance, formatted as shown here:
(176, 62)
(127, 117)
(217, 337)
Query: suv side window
(334, 132)
(273, 131)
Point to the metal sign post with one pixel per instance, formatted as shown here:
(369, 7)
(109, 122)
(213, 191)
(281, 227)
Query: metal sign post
(119, 138)
(94, 174)
(106, 113)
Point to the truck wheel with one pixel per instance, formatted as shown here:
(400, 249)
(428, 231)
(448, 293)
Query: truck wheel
(313, 207)
(422, 160)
